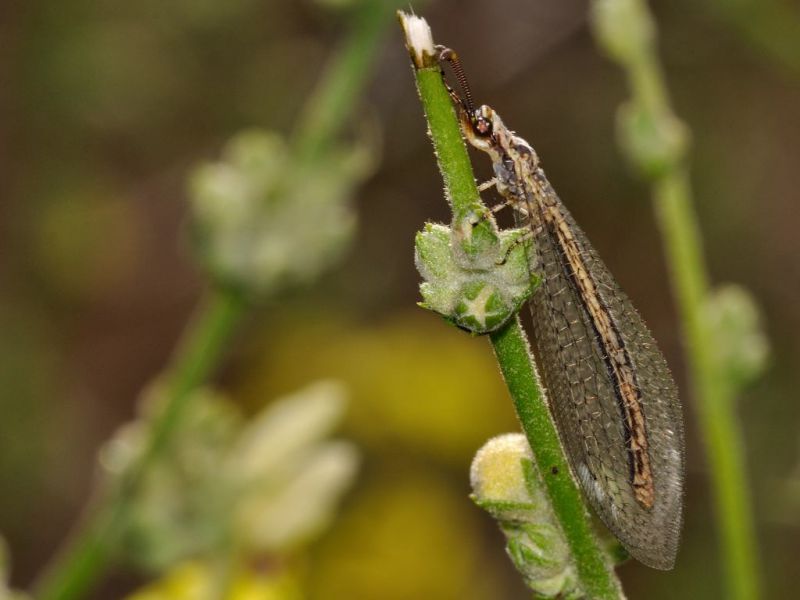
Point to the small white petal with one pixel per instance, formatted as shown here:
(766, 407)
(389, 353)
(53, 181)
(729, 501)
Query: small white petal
(418, 37)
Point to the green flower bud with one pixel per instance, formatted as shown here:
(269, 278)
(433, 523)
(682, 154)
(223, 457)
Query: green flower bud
(476, 283)
(507, 484)
(654, 144)
(741, 347)
(264, 221)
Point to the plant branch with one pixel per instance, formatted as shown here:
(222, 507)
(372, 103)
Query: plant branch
(94, 545)
(328, 109)
(597, 578)
(656, 143)
(714, 398)
(594, 571)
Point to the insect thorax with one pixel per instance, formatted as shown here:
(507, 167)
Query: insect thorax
(515, 168)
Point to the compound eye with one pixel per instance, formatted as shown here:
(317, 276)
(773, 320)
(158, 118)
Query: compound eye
(483, 127)
(482, 121)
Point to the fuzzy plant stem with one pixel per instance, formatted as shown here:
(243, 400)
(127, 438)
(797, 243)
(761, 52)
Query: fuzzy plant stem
(656, 143)
(330, 106)
(92, 548)
(595, 573)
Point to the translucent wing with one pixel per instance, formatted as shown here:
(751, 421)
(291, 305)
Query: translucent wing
(585, 403)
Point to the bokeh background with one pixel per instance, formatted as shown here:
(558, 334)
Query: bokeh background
(105, 107)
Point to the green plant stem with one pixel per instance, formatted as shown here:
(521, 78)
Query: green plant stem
(626, 30)
(331, 104)
(93, 546)
(715, 399)
(513, 355)
(596, 576)
(90, 551)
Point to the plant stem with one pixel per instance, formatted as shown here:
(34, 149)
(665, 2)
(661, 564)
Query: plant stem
(596, 576)
(327, 110)
(92, 548)
(714, 399)
(626, 30)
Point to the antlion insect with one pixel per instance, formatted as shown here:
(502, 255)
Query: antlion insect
(609, 388)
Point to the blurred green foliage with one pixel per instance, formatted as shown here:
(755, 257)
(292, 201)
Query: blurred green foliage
(742, 347)
(228, 486)
(266, 220)
(104, 108)
(407, 522)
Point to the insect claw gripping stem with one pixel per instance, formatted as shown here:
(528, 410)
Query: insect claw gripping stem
(523, 239)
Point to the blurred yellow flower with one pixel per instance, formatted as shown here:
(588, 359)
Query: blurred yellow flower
(197, 580)
(416, 383)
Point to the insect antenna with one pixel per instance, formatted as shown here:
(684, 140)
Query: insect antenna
(449, 55)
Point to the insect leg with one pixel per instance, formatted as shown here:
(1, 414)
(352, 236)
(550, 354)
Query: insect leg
(486, 185)
(525, 237)
(498, 207)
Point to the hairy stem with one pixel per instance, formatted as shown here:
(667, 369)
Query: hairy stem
(596, 576)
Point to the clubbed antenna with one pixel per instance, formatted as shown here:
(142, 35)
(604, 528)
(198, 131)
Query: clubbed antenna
(450, 56)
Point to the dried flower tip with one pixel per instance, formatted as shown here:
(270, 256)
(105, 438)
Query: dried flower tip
(419, 39)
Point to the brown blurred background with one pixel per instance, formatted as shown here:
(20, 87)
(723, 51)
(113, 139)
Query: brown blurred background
(104, 108)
